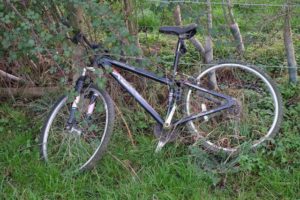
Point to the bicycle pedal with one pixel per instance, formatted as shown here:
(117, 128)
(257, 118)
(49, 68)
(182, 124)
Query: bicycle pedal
(68, 126)
(77, 131)
(73, 129)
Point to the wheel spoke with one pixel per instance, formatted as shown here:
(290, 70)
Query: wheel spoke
(75, 147)
(255, 114)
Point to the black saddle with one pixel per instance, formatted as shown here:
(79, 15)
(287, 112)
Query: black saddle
(184, 32)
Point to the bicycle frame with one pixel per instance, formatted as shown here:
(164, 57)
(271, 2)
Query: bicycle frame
(110, 63)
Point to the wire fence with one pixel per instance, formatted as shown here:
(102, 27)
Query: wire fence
(222, 3)
(247, 40)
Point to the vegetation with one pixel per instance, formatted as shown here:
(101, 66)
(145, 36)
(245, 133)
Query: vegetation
(34, 49)
(135, 172)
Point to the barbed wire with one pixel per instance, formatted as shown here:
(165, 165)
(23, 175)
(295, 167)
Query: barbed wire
(221, 3)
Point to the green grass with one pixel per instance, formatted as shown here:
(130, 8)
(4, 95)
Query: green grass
(128, 172)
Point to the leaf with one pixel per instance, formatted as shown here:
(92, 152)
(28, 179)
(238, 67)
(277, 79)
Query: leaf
(12, 56)
(31, 42)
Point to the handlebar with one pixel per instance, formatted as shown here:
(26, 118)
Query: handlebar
(80, 37)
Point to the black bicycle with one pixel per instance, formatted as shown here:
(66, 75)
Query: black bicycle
(226, 106)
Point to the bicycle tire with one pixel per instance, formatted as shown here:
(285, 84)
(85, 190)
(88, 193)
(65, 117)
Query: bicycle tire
(248, 117)
(69, 150)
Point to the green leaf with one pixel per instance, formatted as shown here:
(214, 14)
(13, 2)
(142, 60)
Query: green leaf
(31, 43)
(12, 56)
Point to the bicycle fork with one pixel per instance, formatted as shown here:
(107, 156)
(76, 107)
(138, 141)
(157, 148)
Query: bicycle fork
(71, 122)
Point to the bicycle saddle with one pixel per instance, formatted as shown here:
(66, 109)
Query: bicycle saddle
(184, 32)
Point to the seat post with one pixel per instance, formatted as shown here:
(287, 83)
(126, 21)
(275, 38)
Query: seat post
(177, 56)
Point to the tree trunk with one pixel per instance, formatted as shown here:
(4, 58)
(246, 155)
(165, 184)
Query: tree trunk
(76, 19)
(234, 28)
(197, 44)
(209, 54)
(289, 46)
(10, 76)
(208, 41)
(131, 23)
(177, 15)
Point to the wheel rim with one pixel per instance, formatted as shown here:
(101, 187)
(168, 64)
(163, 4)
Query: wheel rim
(75, 149)
(198, 129)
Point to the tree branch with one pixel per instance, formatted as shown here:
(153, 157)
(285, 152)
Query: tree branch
(234, 27)
(10, 76)
(27, 91)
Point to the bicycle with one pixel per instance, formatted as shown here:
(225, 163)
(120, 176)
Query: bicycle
(226, 106)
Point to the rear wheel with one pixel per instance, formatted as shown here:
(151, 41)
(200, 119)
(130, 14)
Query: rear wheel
(80, 144)
(255, 117)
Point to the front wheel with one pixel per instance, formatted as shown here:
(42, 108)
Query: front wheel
(254, 118)
(77, 144)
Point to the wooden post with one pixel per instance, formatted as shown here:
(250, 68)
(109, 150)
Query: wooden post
(289, 46)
